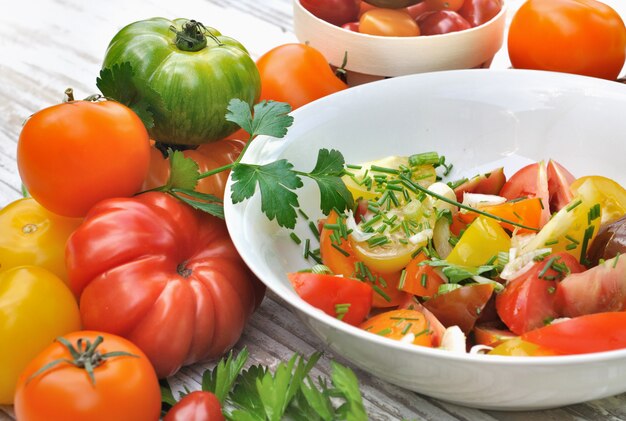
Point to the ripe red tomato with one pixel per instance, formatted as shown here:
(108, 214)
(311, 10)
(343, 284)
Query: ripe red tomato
(559, 180)
(296, 74)
(441, 22)
(477, 12)
(591, 333)
(388, 22)
(167, 277)
(490, 183)
(336, 12)
(452, 5)
(332, 293)
(530, 181)
(351, 26)
(72, 155)
(528, 301)
(585, 37)
(123, 388)
(208, 156)
(196, 406)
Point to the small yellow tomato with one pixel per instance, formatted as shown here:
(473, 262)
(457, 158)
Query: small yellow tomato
(32, 235)
(516, 347)
(35, 307)
(482, 240)
(609, 194)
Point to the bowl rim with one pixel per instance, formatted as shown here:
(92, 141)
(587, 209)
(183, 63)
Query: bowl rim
(301, 306)
(380, 38)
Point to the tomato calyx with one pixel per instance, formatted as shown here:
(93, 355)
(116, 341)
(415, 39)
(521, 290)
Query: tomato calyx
(193, 36)
(183, 270)
(85, 355)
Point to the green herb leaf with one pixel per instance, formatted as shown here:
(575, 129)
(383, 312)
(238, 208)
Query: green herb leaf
(167, 396)
(212, 208)
(277, 181)
(327, 174)
(120, 83)
(345, 381)
(184, 171)
(457, 273)
(220, 380)
(270, 117)
(317, 401)
(244, 396)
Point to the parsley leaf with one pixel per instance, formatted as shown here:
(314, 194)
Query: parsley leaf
(270, 117)
(457, 273)
(120, 83)
(345, 381)
(327, 174)
(220, 380)
(183, 171)
(276, 180)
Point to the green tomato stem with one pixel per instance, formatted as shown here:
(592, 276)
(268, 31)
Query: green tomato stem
(228, 166)
(192, 37)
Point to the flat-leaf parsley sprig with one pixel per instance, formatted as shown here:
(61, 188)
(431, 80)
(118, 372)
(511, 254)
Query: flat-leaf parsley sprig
(277, 181)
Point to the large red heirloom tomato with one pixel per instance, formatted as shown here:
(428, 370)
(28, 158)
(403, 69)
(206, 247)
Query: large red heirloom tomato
(167, 277)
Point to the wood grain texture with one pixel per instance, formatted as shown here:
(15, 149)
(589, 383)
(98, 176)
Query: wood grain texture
(59, 43)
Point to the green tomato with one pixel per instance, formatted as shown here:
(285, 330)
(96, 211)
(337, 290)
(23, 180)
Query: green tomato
(196, 71)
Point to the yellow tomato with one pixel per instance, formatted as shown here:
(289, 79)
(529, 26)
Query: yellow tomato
(32, 235)
(482, 240)
(516, 347)
(35, 307)
(608, 193)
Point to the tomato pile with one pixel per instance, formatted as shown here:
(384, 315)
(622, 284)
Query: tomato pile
(397, 18)
(524, 266)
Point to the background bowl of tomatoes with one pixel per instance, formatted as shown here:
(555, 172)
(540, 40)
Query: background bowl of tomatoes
(428, 36)
(480, 120)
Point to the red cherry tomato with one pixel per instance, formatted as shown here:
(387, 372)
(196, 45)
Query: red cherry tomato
(452, 5)
(336, 12)
(477, 12)
(441, 22)
(417, 10)
(581, 335)
(196, 406)
(585, 37)
(529, 301)
(332, 294)
(388, 22)
(351, 26)
(296, 74)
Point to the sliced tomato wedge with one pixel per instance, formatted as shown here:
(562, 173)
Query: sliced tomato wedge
(559, 181)
(490, 183)
(581, 335)
(529, 301)
(526, 212)
(492, 334)
(460, 307)
(396, 324)
(530, 181)
(344, 298)
(422, 281)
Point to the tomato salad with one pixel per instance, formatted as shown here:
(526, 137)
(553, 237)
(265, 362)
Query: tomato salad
(526, 266)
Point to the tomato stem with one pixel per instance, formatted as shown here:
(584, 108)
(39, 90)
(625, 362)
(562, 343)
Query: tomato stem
(69, 95)
(192, 36)
(228, 166)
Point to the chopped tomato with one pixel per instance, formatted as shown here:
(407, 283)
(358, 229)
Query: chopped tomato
(492, 334)
(490, 183)
(340, 263)
(581, 335)
(344, 298)
(516, 347)
(460, 307)
(526, 212)
(529, 301)
(559, 181)
(396, 324)
(411, 303)
(530, 181)
(422, 281)
(482, 240)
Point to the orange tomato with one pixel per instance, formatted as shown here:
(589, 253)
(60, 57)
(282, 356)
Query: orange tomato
(388, 22)
(72, 155)
(296, 74)
(208, 156)
(396, 324)
(527, 212)
(422, 281)
(585, 37)
(123, 388)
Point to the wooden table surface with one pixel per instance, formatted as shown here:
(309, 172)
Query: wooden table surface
(49, 45)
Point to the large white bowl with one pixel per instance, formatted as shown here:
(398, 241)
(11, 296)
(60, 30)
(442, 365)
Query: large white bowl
(477, 118)
(396, 56)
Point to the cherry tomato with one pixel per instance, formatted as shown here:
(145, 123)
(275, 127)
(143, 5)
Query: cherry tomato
(529, 301)
(345, 298)
(421, 280)
(196, 406)
(477, 12)
(123, 387)
(72, 155)
(581, 335)
(530, 181)
(417, 10)
(392, 4)
(351, 26)
(441, 22)
(526, 211)
(453, 5)
(336, 12)
(32, 235)
(585, 37)
(482, 240)
(396, 324)
(559, 181)
(389, 23)
(297, 74)
(208, 156)
(462, 306)
(490, 183)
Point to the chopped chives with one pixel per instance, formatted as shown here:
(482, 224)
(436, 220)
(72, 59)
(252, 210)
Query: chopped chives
(583, 248)
(354, 167)
(547, 266)
(340, 250)
(422, 332)
(381, 293)
(402, 279)
(304, 215)
(616, 259)
(551, 290)
(295, 238)
(307, 246)
(315, 256)
(424, 280)
(314, 230)
(367, 224)
(378, 240)
(384, 169)
(517, 199)
(404, 318)
(492, 260)
(406, 328)
(394, 187)
(518, 216)
(382, 282)
(454, 184)
(573, 205)
(333, 227)
(551, 242)
(572, 239)
(384, 332)
(424, 158)
(571, 246)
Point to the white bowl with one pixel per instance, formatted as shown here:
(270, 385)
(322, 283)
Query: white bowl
(478, 119)
(397, 56)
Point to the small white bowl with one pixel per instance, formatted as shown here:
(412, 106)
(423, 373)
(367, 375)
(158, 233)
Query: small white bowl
(479, 119)
(397, 56)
